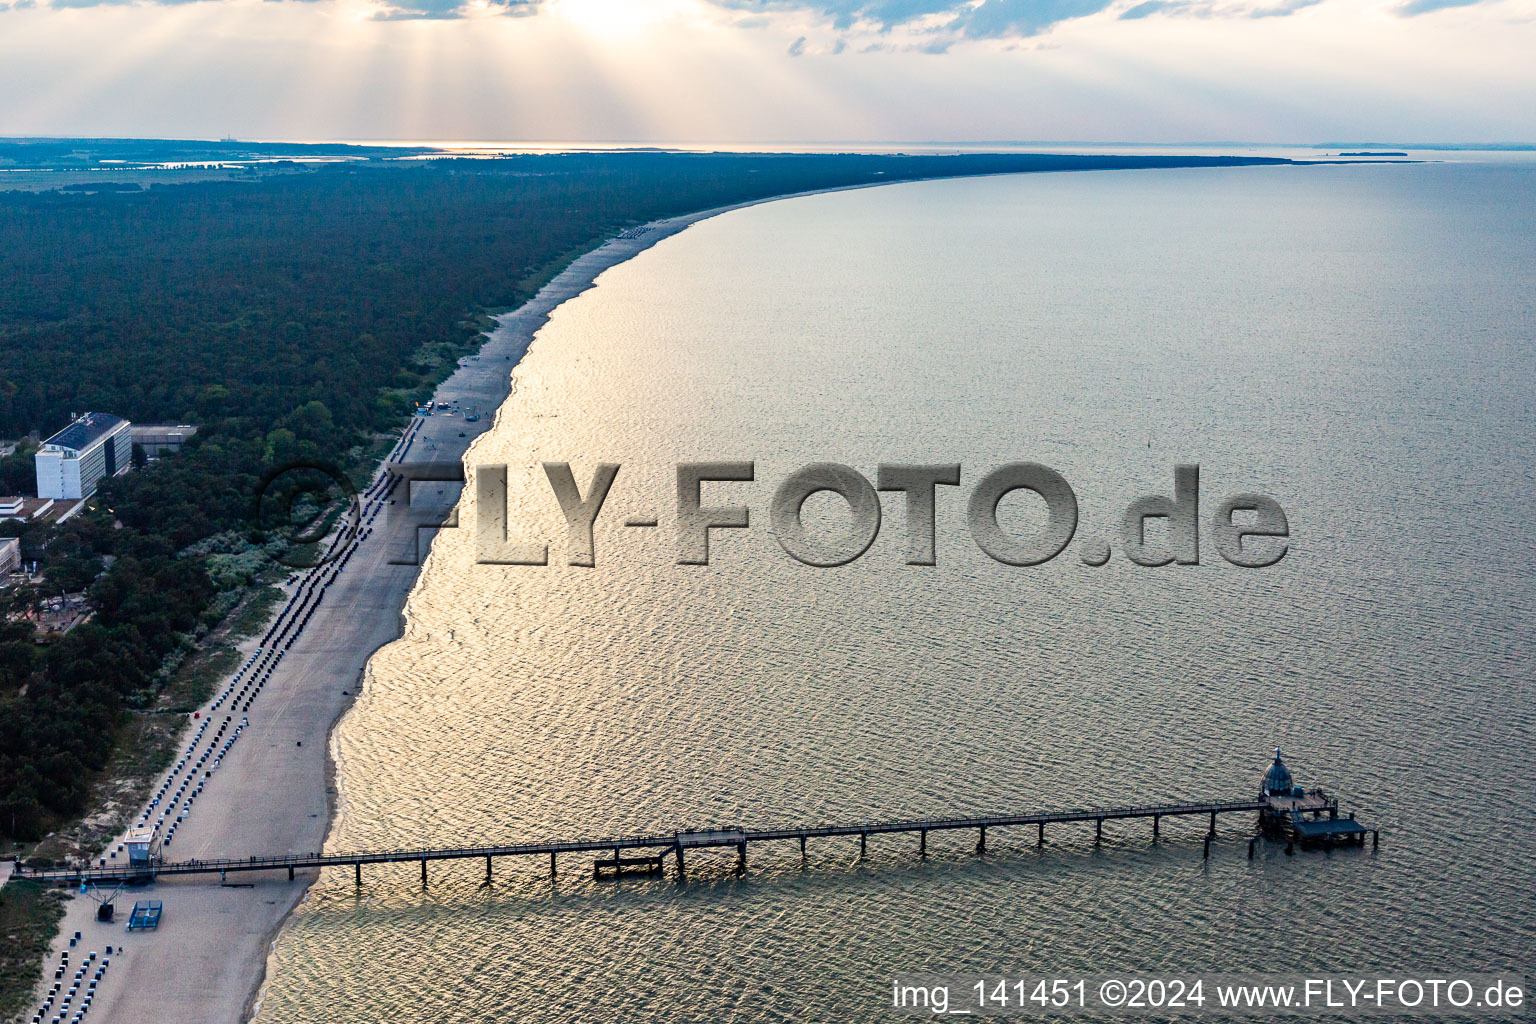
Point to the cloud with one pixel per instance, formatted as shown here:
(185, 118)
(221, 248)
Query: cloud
(391, 10)
(1281, 10)
(1417, 7)
(1210, 9)
(445, 10)
(932, 26)
(797, 47)
(1151, 7)
(996, 18)
(883, 15)
(939, 24)
(101, 3)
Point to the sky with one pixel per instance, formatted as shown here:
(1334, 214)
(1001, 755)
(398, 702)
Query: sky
(764, 71)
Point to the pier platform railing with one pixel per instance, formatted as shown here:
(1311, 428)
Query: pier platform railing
(673, 842)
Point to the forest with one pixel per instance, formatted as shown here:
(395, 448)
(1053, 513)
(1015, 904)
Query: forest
(290, 315)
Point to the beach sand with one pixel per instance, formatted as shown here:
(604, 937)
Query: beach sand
(274, 791)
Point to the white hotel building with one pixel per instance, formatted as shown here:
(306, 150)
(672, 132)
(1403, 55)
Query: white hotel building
(72, 462)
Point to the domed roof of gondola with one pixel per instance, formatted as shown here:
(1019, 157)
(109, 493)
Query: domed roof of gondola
(1278, 778)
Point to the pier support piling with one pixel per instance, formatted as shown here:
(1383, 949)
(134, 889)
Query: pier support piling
(981, 842)
(357, 870)
(1098, 831)
(1207, 854)
(682, 871)
(863, 844)
(1157, 827)
(423, 871)
(487, 869)
(1213, 823)
(1251, 844)
(922, 844)
(290, 872)
(551, 863)
(741, 856)
(1375, 838)
(802, 849)
(1040, 839)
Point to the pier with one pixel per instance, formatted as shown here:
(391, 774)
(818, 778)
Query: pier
(647, 853)
(1303, 818)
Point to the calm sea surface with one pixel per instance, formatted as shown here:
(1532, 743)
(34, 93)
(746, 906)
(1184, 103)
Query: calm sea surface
(1357, 342)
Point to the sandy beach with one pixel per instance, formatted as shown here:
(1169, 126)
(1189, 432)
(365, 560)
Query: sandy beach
(274, 790)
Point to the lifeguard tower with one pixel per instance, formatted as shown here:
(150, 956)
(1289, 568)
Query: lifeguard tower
(141, 849)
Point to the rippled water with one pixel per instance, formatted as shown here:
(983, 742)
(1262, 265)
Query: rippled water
(1355, 341)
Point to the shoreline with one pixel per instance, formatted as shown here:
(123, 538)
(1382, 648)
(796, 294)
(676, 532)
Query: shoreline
(592, 264)
(522, 324)
(210, 960)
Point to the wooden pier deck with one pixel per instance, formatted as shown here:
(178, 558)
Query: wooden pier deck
(652, 848)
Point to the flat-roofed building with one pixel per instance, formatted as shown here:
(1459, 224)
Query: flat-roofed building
(158, 438)
(72, 462)
(25, 509)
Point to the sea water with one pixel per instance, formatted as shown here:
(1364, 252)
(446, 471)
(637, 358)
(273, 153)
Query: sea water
(1357, 343)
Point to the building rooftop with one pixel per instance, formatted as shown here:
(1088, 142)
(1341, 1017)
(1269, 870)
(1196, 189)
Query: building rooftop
(89, 428)
(1323, 828)
(25, 509)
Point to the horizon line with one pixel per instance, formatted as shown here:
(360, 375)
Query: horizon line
(683, 144)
